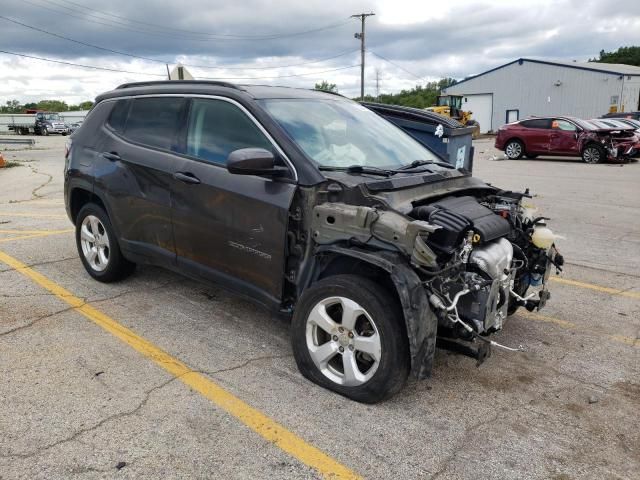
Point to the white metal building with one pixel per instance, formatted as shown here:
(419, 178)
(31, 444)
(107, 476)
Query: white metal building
(528, 87)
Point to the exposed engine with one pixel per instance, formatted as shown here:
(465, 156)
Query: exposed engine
(489, 251)
(477, 256)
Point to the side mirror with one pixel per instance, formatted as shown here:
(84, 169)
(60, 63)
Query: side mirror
(254, 161)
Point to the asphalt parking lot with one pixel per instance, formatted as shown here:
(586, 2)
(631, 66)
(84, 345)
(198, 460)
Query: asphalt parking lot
(162, 377)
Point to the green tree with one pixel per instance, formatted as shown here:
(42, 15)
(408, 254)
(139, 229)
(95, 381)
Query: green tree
(85, 105)
(626, 55)
(12, 106)
(326, 87)
(52, 105)
(421, 96)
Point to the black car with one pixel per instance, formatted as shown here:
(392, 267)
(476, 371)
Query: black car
(315, 207)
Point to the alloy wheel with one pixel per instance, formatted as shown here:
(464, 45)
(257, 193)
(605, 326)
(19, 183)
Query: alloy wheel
(591, 155)
(513, 150)
(95, 243)
(343, 341)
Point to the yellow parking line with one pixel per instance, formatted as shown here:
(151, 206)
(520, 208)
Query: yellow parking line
(31, 215)
(633, 342)
(257, 421)
(35, 235)
(598, 288)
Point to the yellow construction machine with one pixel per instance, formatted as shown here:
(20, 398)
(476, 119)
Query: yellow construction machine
(451, 106)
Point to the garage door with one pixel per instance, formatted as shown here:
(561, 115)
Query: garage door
(482, 107)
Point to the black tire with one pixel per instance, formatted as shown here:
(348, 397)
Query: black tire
(44, 131)
(393, 367)
(117, 267)
(530, 156)
(514, 149)
(593, 153)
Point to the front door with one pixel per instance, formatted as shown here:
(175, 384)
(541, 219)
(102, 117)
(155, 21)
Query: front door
(229, 228)
(563, 139)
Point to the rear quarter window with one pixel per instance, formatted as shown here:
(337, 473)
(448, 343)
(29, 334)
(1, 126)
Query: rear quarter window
(154, 121)
(118, 117)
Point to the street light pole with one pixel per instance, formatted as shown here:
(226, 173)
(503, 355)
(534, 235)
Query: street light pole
(360, 36)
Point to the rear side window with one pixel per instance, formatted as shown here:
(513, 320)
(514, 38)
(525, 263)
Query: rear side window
(536, 123)
(154, 121)
(217, 128)
(118, 116)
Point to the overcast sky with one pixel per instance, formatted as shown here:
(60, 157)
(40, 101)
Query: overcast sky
(424, 39)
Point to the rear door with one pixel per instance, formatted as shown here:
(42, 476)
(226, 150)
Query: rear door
(229, 228)
(563, 139)
(135, 174)
(537, 135)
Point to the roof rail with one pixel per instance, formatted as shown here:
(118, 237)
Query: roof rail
(178, 82)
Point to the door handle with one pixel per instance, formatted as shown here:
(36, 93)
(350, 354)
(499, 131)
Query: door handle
(186, 177)
(111, 156)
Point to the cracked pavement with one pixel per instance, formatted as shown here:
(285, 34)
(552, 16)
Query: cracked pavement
(75, 402)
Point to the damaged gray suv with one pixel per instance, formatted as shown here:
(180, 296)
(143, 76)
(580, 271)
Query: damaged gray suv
(314, 206)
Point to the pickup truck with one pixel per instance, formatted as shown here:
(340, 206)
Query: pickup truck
(41, 123)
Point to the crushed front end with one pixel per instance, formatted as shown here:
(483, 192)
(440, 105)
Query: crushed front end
(476, 254)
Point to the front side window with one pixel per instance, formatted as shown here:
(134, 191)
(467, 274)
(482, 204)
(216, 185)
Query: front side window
(217, 128)
(154, 121)
(339, 133)
(563, 125)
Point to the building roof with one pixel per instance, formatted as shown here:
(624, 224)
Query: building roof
(611, 68)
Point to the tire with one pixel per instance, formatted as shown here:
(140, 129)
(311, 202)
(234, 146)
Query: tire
(379, 320)
(593, 154)
(531, 157)
(103, 259)
(514, 149)
(45, 132)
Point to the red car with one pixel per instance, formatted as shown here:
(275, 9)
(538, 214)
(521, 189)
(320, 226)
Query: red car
(568, 137)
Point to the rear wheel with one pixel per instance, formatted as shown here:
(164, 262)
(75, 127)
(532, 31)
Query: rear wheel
(514, 149)
(98, 245)
(593, 154)
(348, 336)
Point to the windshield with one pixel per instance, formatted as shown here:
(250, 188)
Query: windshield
(338, 133)
(52, 116)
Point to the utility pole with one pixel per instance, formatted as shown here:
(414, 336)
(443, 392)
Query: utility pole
(360, 36)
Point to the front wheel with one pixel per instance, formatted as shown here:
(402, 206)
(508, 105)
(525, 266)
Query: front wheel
(45, 131)
(348, 336)
(593, 154)
(514, 149)
(98, 245)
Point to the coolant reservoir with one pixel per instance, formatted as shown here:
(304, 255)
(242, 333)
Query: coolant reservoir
(542, 237)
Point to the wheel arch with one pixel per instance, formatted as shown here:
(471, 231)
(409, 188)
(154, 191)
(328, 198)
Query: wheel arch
(392, 272)
(79, 197)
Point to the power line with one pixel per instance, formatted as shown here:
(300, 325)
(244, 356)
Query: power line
(164, 27)
(166, 61)
(79, 64)
(164, 76)
(397, 66)
(124, 26)
(281, 76)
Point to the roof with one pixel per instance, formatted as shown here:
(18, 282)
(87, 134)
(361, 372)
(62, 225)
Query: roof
(215, 87)
(611, 68)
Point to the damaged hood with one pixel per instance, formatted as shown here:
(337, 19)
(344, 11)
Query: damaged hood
(402, 190)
